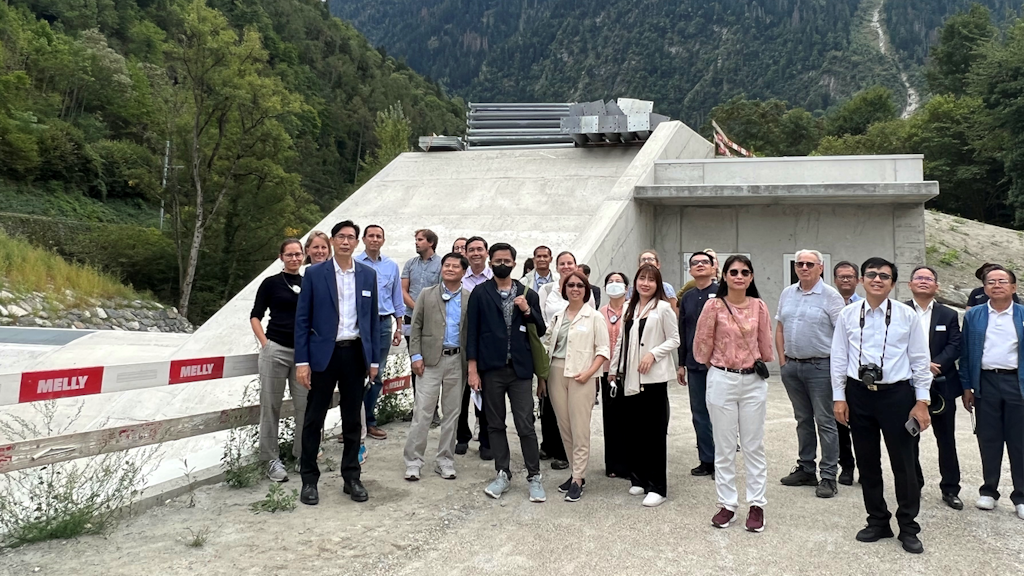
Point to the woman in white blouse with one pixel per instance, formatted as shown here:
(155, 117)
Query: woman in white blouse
(642, 367)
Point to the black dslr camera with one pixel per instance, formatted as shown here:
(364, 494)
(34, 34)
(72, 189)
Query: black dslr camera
(870, 374)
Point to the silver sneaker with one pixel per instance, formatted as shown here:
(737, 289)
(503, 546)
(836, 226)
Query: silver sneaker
(277, 472)
(537, 489)
(412, 473)
(447, 471)
(499, 486)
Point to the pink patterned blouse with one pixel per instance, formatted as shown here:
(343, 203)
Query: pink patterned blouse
(720, 342)
(613, 329)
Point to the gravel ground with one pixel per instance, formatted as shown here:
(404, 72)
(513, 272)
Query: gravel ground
(436, 526)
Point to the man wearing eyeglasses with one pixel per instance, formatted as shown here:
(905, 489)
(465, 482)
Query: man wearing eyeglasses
(881, 377)
(993, 379)
(803, 338)
(691, 373)
(846, 279)
(941, 327)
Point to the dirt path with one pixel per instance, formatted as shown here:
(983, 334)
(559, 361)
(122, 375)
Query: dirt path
(449, 527)
(913, 99)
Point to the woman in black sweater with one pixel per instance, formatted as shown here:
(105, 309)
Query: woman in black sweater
(280, 294)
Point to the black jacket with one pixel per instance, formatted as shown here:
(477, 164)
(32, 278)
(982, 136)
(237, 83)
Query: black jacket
(487, 337)
(944, 343)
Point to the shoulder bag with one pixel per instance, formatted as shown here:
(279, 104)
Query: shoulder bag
(759, 366)
(541, 361)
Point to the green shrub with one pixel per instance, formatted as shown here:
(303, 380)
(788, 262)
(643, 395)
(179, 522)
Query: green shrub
(278, 499)
(65, 156)
(128, 170)
(18, 151)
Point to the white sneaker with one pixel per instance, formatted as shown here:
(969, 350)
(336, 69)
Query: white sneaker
(447, 471)
(277, 472)
(986, 503)
(412, 473)
(635, 490)
(653, 499)
(1020, 511)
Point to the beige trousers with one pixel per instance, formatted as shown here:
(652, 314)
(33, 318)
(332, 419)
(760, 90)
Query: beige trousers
(573, 403)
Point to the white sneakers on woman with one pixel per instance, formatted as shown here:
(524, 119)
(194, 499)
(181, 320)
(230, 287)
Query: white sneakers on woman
(653, 499)
(635, 490)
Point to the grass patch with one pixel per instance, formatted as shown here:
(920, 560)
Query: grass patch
(950, 257)
(198, 537)
(24, 267)
(278, 500)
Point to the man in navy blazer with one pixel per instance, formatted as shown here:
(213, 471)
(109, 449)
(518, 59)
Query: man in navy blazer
(942, 326)
(992, 374)
(336, 328)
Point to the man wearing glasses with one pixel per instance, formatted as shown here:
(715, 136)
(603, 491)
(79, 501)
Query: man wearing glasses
(693, 374)
(803, 338)
(880, 378)
(846, 279)
(941, 327)
(993, 379)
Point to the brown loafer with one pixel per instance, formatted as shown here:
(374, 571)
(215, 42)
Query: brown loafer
(376, 433)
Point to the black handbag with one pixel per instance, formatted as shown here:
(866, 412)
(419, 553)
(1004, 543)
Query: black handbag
(760, 368)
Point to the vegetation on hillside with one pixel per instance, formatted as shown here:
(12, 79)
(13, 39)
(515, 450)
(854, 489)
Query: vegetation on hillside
(263, 110)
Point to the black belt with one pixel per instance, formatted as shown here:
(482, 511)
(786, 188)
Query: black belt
(876, 387)
(450, 351)
(1002, 371)
(346, 343)
(806, 360)
(738, 370)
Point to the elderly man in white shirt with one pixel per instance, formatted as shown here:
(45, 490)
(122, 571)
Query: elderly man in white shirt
(881, 377)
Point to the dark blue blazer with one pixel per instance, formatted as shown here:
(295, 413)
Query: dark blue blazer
(487, 338)
(975, 327)
(316, 316)
(944, 343)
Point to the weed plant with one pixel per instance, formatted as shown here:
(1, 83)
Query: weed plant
(278, 500)
(242, 468)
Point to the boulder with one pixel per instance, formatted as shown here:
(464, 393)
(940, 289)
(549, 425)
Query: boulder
(101, 313)
(16, 311)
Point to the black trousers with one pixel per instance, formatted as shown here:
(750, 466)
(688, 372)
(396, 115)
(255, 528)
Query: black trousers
(496, 385)
(1000, 421)
(347, 372)
(874, 416)
(944, 427)
(464, 433)
(616, 449)
(648, 456)
(846, 459)
(550, 437)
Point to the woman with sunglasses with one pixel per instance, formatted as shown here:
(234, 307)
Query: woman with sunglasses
(734, 339)
(280, 294)
(577, 343)
(615, 448)
(643, 366)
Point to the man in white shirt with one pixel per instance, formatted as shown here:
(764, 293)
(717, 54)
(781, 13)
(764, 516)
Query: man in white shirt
(880, 377)
(990, 372)
(845, 277)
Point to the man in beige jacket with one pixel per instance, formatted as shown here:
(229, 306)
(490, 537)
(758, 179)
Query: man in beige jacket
(436, 346)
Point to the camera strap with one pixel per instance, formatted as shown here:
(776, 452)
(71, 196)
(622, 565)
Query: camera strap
(888, 319)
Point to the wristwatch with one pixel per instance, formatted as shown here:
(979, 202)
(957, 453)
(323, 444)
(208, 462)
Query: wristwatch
(926, 402)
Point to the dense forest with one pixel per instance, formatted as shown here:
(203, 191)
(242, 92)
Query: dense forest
(263, 111)
(686, 55)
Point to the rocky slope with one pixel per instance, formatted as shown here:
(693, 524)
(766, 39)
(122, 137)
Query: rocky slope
(956, 247)
(36, 309)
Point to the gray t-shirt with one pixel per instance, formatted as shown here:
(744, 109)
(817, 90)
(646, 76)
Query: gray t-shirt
(562, 339)
(421, 274)
(808, 319)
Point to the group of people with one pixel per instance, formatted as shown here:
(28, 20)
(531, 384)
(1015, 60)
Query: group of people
(857, 370)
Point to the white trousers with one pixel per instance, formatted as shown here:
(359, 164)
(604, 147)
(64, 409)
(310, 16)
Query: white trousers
(737, 404)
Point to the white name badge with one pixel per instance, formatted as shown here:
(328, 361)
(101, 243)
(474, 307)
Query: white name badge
(366, 293)
(522, 328)
(940, 328)
(582, 327)
(712, 295)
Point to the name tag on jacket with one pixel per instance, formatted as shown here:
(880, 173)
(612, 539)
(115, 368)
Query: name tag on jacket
(940, 328)
(366, 293)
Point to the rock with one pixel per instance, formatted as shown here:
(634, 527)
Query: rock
(43, 315)
(132, 325)
(952, 297)
(5, 295)
(129, 316)
(86, 314)
(43, 323)
(17, 311)
(172, 313)
(78, 325)
(3, 311)
(101, 313)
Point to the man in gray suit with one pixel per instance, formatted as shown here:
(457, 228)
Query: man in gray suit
(437, 342)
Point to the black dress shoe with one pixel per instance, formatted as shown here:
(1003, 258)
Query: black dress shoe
(846, 477)
(485, 454)
(309, 495)
(559, 465)
(703, 469)
(356, 490)
(874, 533)
(461, 447)
(911, 543)
(544, 455)
(953, 501)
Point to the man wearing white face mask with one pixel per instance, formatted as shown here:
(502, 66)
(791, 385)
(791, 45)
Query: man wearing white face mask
(691, 373)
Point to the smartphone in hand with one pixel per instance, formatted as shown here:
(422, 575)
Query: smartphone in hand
(913, 426)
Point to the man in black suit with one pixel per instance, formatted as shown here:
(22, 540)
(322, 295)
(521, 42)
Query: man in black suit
(942, 326)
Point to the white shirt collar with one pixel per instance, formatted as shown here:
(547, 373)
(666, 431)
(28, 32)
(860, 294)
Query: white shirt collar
(338, 270)
(931, 305)
(991, 310)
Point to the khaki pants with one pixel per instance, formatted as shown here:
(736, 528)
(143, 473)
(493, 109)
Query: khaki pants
(444, 381)
(276, 366)
(573, 403)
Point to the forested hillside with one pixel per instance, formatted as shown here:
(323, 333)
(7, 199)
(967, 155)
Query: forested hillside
(265, 110)
(686, 55)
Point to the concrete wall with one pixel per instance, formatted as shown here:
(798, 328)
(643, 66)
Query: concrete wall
(796, 170)
(853, 233)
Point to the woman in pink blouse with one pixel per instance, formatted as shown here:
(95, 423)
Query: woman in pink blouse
(615, 441)
(733, 332)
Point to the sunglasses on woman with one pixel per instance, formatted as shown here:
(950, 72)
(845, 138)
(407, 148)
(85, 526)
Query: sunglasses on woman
(736, 272)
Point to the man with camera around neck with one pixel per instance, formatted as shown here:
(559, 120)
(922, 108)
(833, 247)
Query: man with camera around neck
(881, 377)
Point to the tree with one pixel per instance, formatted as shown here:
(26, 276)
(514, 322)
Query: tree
(393, 131)
(767, 128)
(958, 49)
(865, 108)
(232, 124)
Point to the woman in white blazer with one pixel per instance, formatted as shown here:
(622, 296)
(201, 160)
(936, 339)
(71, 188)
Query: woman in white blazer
(577, 343)
(642, 367)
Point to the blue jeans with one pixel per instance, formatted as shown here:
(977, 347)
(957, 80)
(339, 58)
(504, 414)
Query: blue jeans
(697, 386)
(370, 401)
(809, 386)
